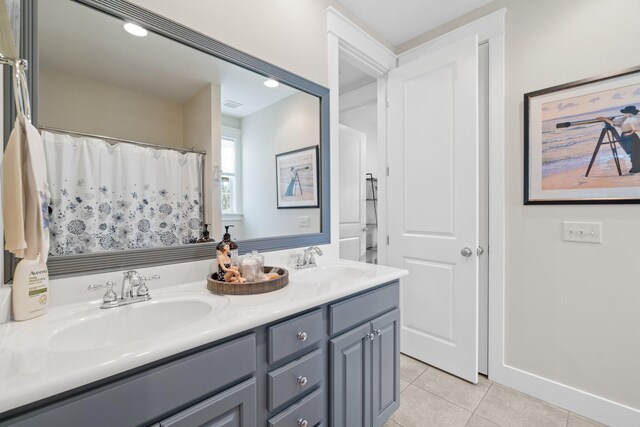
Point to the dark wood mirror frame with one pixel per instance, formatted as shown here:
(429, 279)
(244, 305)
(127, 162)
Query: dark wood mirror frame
(73, 265)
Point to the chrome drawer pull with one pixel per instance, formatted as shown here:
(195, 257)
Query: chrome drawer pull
(302, 423)
(302, 336)
(302, 380)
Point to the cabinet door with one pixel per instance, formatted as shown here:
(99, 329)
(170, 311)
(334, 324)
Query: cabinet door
(235, 407)
(351, 378)
(385, 367)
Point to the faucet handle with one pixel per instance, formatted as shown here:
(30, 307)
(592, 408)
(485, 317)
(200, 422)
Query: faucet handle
(142, 287)
(312, 259)
(297, 258)
(110, 295)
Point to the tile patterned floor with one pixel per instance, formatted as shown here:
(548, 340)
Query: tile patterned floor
(430, 397)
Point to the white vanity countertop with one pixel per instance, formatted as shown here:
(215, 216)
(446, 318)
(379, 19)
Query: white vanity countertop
(39, 359)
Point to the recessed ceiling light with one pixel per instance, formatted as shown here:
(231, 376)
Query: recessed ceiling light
(135, 30)
(271, 83)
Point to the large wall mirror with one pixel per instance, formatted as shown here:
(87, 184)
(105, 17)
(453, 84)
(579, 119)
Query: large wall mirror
(153, 130)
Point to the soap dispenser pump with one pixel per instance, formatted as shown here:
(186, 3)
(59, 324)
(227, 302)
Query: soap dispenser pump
(205, 235)
(226, 240)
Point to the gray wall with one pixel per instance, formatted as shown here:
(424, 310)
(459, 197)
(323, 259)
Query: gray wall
(287, 125)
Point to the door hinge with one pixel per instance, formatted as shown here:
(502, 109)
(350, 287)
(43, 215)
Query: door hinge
(387, 170)
(387, 240)
(387, 103)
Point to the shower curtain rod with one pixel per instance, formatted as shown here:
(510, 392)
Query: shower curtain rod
(111, 139)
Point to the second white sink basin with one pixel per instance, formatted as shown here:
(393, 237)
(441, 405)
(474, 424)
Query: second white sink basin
(329, 274)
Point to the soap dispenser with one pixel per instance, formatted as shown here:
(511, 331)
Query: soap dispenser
(233, 246)
(205, 235)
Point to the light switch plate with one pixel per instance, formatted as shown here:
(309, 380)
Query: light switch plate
(583, 232)
(304, 221)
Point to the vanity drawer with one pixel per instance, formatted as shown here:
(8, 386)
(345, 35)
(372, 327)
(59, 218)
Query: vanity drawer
(294, 378)
(290, 337)
(236, 406)
(309, 409)
(346, 314)
(154, 393)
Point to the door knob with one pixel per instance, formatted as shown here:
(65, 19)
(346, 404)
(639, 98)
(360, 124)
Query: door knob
(480, 250)
(466, 252)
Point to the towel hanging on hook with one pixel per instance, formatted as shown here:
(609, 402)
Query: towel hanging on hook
(9, 56)
(25, 189)
(20, 87)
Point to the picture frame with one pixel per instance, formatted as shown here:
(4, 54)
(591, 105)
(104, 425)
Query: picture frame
(580, 141)
(297, 179)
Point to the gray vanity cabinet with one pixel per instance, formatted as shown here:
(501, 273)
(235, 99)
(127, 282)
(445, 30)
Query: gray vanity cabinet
(351, 378)
(365, 369)
(336, 365)
(385, 363)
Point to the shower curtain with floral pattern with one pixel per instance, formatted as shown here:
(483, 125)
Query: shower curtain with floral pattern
(110, 197)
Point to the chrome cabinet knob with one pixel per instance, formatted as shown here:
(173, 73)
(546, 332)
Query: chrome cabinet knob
(378, 332)
(466, 252)
(302, 336)
(370, 336)
(303, 423)
(302, 380)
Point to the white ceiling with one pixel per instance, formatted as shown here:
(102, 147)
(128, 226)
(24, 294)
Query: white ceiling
(398, 21)
(83, 42)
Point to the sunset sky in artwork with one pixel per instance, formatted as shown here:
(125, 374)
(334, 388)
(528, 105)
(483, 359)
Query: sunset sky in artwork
(592, 103)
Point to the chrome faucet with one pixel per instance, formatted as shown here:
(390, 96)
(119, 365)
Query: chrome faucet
(307, 259)
(134, 289)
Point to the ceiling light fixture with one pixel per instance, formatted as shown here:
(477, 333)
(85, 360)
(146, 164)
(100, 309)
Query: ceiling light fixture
(135, 29)
(271, 83)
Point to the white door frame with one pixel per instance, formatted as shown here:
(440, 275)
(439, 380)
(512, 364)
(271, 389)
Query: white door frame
(370, 56)
(356, 46)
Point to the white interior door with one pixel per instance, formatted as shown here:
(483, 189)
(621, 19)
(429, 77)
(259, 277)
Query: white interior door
(353, 227)
(433, 204)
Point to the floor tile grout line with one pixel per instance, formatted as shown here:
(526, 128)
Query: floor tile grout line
(475, 412)
(447, 400)
(444, 398)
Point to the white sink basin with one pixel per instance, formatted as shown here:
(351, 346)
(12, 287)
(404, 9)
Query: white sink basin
(329, 274)
(135, 322)
(88, 327)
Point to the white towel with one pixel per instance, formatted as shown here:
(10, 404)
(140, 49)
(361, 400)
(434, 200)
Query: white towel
(25, 193)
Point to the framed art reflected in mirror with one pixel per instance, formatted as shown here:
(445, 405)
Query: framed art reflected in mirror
(297, 178)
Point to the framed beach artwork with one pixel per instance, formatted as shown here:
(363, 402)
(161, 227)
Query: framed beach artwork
(297, 178)
(582, 141)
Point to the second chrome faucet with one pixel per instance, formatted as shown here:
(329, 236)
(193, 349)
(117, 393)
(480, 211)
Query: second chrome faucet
(134, 289)
(306, 259)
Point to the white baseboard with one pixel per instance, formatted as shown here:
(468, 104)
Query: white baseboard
(575, 400)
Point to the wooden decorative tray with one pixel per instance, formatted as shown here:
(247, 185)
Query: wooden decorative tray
(249, 288)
